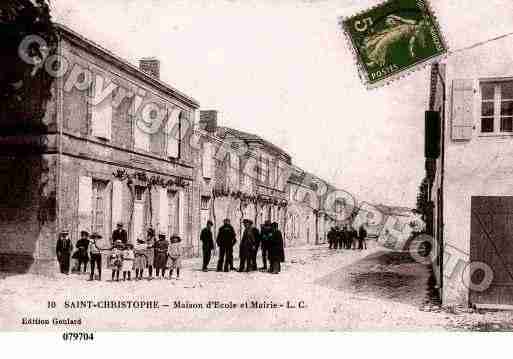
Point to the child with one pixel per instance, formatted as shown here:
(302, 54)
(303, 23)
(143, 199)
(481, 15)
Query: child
(128, 260)
(116, 259)
(140, 258)
(175, 255)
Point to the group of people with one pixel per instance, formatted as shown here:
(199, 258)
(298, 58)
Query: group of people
(347, 238)
(268, 239)
(123, 257)
(160, 254)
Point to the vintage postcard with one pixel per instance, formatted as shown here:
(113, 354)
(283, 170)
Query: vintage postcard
(220, 166)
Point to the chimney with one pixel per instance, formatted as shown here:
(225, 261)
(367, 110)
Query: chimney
(208, 120)
(150, 66)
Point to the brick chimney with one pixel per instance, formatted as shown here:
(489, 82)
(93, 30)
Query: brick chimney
(208, 120)
(150, 66)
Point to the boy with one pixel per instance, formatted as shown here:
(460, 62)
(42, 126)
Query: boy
(175, 255)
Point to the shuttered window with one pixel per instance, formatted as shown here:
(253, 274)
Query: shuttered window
(497, 107)
(101, 113)
(173, 133)
(462, 109)
(99, 204)
(85, 196)
(208, 160)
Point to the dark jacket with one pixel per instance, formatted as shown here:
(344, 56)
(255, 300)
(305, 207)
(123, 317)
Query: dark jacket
(64, 246)
(207, 239)
(248, 242)
(362, 233)
(120, 234)
(277, 247)
(226, 236)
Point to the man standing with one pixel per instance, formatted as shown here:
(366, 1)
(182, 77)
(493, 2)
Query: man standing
(120, 234)
(64, 249)
(277, 252)
(331, 235)
(362, 234)
(225, 241)
(96, 256)
(247, 244)
(82, 247)
(254, 247)
(265, 239)
(207, 241)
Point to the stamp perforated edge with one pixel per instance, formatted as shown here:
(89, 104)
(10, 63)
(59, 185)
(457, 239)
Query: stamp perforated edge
(362, 73)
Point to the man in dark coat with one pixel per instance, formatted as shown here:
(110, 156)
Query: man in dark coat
(277, 250)
(160, 260)
(254, 248)
(265, 241)
(331, 237)
(247, 245)
(82, 248)
(225, 241)
(63, 249)
(341, 237)
(362, 234)
(207, 241)
(120, 234)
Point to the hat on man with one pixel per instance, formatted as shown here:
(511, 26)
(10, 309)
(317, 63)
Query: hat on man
(96, 235)
(119, 224)
(64, 233)
(84, 233)
(118, 242)
(162, 235)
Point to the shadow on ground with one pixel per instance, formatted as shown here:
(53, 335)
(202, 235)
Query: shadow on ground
(389, 275)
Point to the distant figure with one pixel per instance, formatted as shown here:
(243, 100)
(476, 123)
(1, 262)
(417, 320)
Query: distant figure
(354, 238)
(341, 234)
(160, 260)
(331, 237)
(63, 250)
(277, 250)
(82, 246)
(95, 256)
(266, 235)
(225, 241)
(120, 234)
(247, 245)
(207, 241)
(175, 256)
(362, 234)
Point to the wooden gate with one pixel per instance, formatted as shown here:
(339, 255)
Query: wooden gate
(491, 242)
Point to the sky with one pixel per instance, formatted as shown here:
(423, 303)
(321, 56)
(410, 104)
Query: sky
(284, 70)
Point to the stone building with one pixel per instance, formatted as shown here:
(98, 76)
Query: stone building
(111, 147)
(238, 175)
(471, 171)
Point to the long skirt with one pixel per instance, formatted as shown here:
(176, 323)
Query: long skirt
(140, 261)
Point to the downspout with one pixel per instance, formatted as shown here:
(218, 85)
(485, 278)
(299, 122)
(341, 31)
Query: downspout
(59, 143)
(442, 171)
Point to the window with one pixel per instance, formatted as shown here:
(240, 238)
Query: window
(139, 193)
(173, 213)
(173, 133)
(141, 137)
(101, 113)
(497, 107)
(99, 206)
(208, 160)
(205, 202)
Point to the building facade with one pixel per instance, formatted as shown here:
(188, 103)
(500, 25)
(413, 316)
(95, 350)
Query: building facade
(238, 176)
(471, 180)
(112, 147)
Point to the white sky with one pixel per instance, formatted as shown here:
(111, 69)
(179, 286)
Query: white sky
(282, 69)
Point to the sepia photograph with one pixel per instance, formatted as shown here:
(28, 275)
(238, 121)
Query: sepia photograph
(256, 166)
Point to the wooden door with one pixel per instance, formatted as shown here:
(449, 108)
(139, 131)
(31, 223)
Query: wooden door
(491, 242)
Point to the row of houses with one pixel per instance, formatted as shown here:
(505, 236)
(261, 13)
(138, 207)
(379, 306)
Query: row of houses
(116, 144)
(469, 171)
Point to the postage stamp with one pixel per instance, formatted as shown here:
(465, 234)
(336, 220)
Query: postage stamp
(393, 38)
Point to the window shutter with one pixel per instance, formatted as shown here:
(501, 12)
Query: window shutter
(173, 133)
(163, 209)
(85, 205)
(208, 161)
(462, 109)
(102, 118)
(117, 201)
(181, 215)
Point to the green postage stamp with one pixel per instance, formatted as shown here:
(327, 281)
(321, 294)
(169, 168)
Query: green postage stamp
(392, 38)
